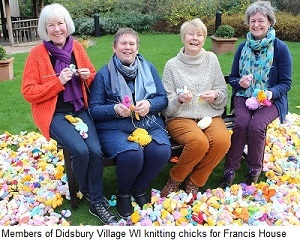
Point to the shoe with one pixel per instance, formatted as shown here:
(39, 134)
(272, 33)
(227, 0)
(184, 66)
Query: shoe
(105, 201)
(141, 197)
(227, 179)
(171, 186)
(124, 206)
(252, 176)
(100, 211)
(190, 187)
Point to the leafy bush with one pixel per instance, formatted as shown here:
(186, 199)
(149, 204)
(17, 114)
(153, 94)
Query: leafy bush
(229, 7)
(85, 26)
(224, 31)
(237, 22)
(109, 23)
(180, 11)
(3, 54)
(168, 15)
(288, 27)
(87, 8)
(293, 7)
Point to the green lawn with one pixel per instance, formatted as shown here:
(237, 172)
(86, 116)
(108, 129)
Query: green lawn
(158, 48)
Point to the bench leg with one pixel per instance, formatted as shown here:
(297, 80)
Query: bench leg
(71, 179)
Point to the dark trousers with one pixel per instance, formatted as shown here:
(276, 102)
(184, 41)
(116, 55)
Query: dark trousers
(86, 153)
(250, 128)
(137, 168)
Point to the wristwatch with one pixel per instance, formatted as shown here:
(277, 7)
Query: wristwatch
(218, 95)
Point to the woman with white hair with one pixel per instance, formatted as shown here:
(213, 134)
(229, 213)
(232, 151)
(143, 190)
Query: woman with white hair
(55, 78)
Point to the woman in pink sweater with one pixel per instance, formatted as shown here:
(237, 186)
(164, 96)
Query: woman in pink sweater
(56, 77)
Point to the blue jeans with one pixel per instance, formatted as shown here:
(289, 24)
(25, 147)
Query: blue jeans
(86, 154)
(250, 128)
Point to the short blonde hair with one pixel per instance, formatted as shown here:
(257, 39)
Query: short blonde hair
(263, 7)
(54, 12)
(197, 23)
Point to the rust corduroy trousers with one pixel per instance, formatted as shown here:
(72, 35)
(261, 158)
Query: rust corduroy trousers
(202, 151)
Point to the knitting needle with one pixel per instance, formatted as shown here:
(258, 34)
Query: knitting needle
(56, 74)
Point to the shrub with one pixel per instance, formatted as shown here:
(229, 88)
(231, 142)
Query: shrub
(224, 31)
(287, 27)
(110, 23)
(3, 54)
(87, 8)
(84, 26)
(179, 11)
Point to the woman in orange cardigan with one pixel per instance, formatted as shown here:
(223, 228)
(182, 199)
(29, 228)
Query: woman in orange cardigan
(56, 77)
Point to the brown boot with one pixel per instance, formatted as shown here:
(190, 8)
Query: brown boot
(171, 186)
(190, 187)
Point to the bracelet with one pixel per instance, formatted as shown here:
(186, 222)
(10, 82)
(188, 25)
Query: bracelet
(218, 95)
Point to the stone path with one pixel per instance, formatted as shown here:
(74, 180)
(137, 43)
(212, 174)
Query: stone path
(21, 48)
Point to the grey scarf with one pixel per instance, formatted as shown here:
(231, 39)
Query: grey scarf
(144, 83)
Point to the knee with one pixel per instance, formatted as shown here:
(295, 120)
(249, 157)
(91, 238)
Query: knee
(197, 143)
(81, 153)
(130, 160)
(241, 125)
(223, 143)
(96, 152)
(257, 128)
(162, 154)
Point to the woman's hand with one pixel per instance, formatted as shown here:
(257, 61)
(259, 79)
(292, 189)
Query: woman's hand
(122, 110)
(142, 107)
(65, 75)
(185, 97)
(209, 96)
(246, 80)
(84, 73)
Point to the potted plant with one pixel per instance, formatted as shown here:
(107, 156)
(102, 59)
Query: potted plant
(84, 40)
(6, 65)
(223, 41)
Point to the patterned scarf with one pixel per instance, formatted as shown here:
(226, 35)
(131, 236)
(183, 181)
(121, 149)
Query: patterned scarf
(144, 83)
(73, 91)
(258, 65)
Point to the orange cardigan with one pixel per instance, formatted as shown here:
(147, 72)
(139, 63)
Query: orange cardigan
(42, 92)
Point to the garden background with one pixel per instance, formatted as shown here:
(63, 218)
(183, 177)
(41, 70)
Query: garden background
(157, 47)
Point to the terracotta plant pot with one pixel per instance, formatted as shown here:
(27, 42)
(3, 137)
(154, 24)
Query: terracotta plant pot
(223, 45)
(85, 43)
(7, 69)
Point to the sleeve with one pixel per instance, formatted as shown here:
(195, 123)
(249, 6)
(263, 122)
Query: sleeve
(39, 82)
(169, 85)
(159, 101)
(234, 76)
(282, 83)
(100, 104)
(84, 61)
(219, 85)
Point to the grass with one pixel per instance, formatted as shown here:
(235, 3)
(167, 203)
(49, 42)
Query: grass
(15, 112)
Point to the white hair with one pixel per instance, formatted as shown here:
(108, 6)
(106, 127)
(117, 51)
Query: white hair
(54, 12)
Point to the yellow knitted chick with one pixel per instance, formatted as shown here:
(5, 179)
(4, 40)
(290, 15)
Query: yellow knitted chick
(140, 136)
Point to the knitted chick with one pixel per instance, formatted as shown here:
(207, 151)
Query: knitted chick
(79, 125)
(140, 136)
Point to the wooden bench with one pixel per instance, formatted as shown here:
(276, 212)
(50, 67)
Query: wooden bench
(227, 116)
